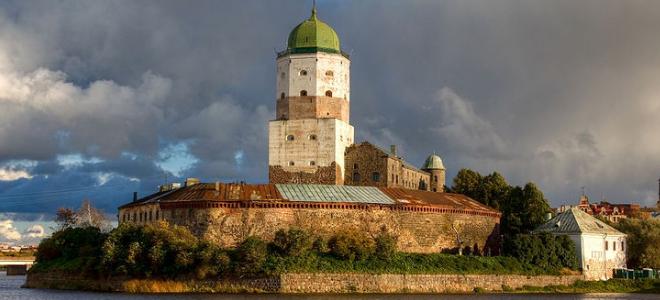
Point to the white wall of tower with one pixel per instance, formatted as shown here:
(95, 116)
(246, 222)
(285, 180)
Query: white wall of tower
(324, 72)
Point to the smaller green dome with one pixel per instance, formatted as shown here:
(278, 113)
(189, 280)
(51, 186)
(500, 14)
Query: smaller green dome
(313, 35)
(433, 162)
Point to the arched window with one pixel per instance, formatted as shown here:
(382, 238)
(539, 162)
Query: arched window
(356, 177)
(282, 95)
(303, 73)
(329, 73)
(312, 163)
(291, 163)
(355, 166)
(290, 137)
(328, 93)
(312, 137)
(151, 215)
(303, 93)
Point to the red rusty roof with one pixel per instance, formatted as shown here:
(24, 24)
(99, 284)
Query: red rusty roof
(447, 200)
(270, 192)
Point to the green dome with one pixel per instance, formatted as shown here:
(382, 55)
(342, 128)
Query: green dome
(433, 162)
(312, 35)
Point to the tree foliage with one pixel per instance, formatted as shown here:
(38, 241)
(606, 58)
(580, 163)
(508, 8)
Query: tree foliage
(523, 208)
(543, 250)
(643, 240)
(294, 242)
(86, 216)
(352, 245)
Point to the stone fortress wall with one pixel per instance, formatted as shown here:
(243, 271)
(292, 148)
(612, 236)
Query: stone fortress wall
(419, 229)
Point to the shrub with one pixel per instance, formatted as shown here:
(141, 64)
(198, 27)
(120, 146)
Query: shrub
(251, 256)
(385, 246)
(351, 245)
(293, 242)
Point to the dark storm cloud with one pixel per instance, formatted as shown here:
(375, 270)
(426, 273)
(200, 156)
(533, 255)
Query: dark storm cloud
(563, 93)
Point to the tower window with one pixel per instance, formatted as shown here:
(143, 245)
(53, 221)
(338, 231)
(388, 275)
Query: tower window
(329, 73)
(328, 93)
(282, 96)
(303, 73)
(303, 93)
(312, 163)
(375, 176)
(355, 166)
(291, 163)
(290, 137)
(282, 75)
(312, 137)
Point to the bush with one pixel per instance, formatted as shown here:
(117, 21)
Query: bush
(385, 246)
(251, 256)
(543, 250)
(352, 245)
(293, 242)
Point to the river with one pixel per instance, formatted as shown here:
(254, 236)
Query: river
(10, 289)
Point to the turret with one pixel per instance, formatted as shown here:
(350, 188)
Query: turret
(435, 166)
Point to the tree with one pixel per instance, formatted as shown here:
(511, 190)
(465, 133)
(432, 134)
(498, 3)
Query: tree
(468, 183)
(495, 189)
(65, 218)
(643, 242)
(88, 215)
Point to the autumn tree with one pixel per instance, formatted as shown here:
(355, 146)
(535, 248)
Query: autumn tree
(643, 250)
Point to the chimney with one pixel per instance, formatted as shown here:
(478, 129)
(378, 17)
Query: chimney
(393, 150)
(135, 197)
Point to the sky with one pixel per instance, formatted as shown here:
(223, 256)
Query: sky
(99, 99)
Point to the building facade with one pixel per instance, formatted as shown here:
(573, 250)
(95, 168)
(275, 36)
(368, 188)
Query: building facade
(311, 130)
(368, 165)
(599, 248)
(605, 210)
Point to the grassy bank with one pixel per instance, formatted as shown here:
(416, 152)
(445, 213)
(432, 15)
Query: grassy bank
(584, 287)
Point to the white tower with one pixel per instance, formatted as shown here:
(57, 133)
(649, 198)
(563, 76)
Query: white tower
(307, 139)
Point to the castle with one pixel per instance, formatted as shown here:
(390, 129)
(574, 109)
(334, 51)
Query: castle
(319, 178)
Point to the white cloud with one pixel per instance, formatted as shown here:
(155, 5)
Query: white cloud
(462, 128)
(8, 232)
(35, 231)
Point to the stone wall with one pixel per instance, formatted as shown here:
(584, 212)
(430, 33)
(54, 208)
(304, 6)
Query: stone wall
(420, 229)
(319, 175)
(308, 283)
(362, 161)
(312, 107)
(412, 283)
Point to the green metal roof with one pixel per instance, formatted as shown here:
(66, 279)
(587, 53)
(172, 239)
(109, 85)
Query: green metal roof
(333, 193)
(433, 162)
(313, 35)
(575, 221)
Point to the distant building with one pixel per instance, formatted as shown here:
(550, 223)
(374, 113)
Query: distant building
(611, 212)
(599, 247)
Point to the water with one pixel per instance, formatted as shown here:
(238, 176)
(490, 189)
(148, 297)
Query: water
(10, 289)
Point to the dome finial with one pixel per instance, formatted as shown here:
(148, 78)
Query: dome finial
(313, 11)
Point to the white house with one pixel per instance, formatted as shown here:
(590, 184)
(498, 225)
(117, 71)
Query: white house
(600, 248)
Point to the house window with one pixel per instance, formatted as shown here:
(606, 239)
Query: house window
(157, 213)
(291, 163)
(303, 93)
(290, 137)
(375, 176)
(328, 93)
(356, 177)
(303, 73)
(312, 137)
(613, 246)
(606, 246)
(329, 73)
(623, 246)
(312, 163)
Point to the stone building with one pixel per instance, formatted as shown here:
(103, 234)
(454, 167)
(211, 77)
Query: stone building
(311, 130)
(368, 165)
(425, 222)
(600, 248)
